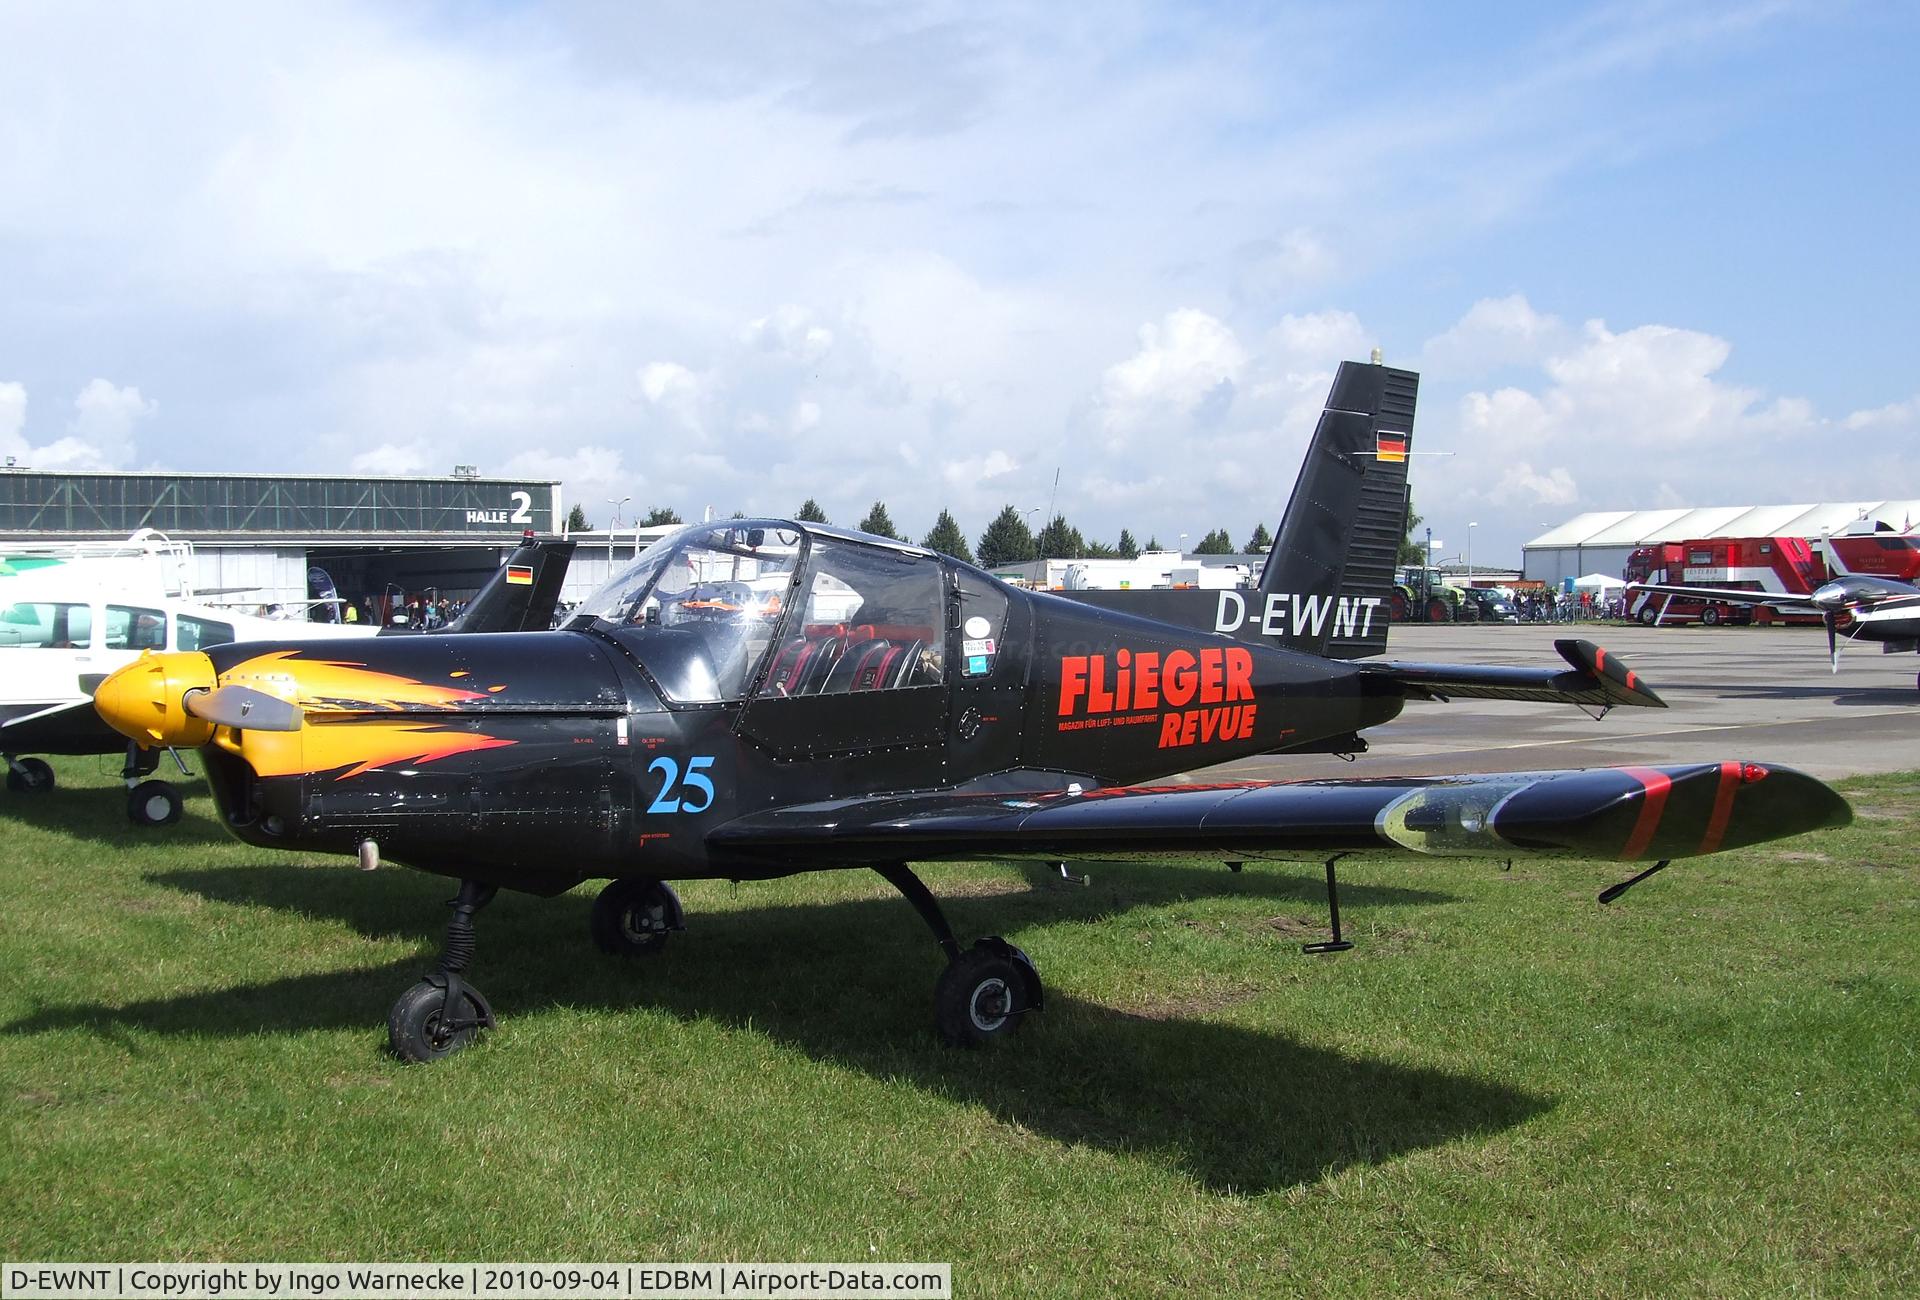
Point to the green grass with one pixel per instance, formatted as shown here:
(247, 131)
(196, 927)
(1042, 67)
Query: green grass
(1709, 1087)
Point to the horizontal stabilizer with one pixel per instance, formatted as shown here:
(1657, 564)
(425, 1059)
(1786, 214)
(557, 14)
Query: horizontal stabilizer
(1610, 812)
(1596, 678)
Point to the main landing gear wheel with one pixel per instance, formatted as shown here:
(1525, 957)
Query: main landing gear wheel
(443, 1013)
(153, 803)
(29, 776)
(984, 994)
(634, 918)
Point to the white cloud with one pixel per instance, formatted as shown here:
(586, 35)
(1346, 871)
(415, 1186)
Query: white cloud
(792, 333)
(1642, 417)
(1187, 364)
(391, 458)
(106, 414)
(13, 415)
(1520, 484)
(666, 381)
(975, 470)
(1495, 332)
(1894, 416)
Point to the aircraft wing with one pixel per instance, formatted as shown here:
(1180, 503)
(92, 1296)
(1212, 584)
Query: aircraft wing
(1610, 812)
(1593, 678)
(21, 720)
(1730, 596)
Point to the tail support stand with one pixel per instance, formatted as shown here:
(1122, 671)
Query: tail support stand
(1336, 944)
(1612, 892)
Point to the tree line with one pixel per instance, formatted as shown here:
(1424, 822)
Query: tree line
(1008, 539)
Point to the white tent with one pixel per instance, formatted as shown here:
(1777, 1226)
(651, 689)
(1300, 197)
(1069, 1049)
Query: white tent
(1599, 582)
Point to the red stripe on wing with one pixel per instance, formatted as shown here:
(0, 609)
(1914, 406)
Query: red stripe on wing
(1656, 784)
(1730, 777)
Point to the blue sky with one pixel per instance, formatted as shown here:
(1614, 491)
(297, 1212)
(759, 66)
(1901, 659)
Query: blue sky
(738, 255)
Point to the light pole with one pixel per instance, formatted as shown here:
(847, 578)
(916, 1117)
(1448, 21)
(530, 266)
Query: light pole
(1470, 527)
(612, 524)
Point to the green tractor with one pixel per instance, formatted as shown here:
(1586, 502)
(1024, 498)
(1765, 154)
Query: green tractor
(1425, 596)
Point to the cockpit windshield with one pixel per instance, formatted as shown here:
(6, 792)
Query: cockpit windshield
(713, 593)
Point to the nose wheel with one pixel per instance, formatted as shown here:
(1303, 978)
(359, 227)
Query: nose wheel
(153, 803)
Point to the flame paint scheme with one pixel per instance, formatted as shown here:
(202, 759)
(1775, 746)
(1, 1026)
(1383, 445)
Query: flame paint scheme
(757, 698)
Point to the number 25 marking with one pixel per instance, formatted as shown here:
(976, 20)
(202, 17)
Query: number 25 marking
(670, 781)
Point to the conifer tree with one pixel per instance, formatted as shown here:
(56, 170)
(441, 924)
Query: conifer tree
(811, 513)
(879, 522)
(947, 539)
(1007, 540)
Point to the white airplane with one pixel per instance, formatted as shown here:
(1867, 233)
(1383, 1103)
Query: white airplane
(70, 615)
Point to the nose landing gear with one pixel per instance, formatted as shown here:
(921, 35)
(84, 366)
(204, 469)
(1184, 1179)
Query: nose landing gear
(443, 1013)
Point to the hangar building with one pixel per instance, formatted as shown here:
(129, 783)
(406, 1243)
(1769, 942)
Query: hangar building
(1600, 541)
(262, 532)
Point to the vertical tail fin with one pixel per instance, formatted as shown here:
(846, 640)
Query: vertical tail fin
(521, 596)
(1332, 560)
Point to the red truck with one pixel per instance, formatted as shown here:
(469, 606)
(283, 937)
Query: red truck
(1790, 567)
(1787, 566)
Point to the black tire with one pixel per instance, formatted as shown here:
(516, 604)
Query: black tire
(413, 1026)
(1710, 616)
(153, 803)
(634, 918)
(1437, 610)
(30, 776)
(1647, 615)
(1397, 607)
(979, 999)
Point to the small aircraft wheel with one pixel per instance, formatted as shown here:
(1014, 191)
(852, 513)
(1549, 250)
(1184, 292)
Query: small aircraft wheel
(979, 998)
(633, 918)
(415, 1028)
(1647, 616)
(30, 775)
(153, 803)
(1710, 616)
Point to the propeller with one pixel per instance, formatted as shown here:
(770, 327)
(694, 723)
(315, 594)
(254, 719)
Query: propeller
(242, 706)
(1833, 641)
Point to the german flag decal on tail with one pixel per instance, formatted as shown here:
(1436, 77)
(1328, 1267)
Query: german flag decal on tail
(1391, 446)
(520, 575)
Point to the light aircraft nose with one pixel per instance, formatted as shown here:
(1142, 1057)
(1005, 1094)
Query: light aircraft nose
(1831, 595)
(145, 701)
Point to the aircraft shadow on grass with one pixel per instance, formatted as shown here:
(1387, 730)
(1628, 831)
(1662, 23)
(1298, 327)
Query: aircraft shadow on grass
(1240, 1110)
(96, 814)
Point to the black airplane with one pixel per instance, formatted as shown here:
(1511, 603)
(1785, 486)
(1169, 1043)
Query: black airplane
(521, 595)
(756, 698)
